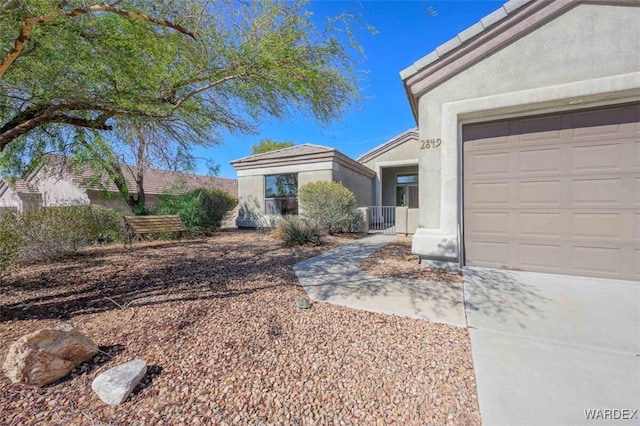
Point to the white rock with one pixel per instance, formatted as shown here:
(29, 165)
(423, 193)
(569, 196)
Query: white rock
(116, 384)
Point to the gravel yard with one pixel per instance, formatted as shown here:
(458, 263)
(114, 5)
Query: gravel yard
(216, 321)
(395, 260)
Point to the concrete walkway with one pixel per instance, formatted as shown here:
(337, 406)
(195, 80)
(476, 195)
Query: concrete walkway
(333, 277)
(547, 349)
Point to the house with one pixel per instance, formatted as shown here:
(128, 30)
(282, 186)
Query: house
(58, 182)
(529, 130)
(526, 153)
(382, 180)
(268, 183)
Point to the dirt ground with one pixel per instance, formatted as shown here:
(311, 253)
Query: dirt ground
(216, 321)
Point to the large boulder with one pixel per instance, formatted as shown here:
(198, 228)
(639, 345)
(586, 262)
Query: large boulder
(47, 355)
(114, 385)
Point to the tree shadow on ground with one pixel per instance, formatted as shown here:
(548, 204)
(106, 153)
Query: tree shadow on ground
(152, 274)
(500, 294)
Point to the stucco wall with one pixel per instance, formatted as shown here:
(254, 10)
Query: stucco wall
(359, 184)
(584, 54)
(313, 176)
(58, 192)
(408, 150)
(9, 198)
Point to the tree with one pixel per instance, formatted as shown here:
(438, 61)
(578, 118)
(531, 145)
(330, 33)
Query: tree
(268, 145)
(74, 73)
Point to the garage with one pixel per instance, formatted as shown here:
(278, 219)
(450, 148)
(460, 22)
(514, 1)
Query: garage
(557, 193)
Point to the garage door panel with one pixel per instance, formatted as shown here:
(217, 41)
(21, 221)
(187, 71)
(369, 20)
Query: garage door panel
(489, 223)
(597, 260)
(597, 226)
(492, 194)
(490, 165)
(538, 130)
(540, 193)
(540, 161)
(597, 158)
(489, 135)
(563, 196)
(539, 225)
(597, 192)
(492, 254)
(543, 257)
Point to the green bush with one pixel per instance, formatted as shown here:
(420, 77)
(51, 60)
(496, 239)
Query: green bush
(201, 210)
(299, 231)
(106, 226)
(54, 232)
(10, 241)
(331, 205)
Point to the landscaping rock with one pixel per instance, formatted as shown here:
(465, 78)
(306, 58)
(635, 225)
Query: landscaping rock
(303, 303)
(116, 384)
(47, 355)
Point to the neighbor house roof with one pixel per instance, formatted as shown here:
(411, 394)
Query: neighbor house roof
(299, 154)
(156, 181)
(500, 28)
(19, 187)
(408, 135)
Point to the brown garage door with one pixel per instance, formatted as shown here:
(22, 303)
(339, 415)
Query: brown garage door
(556, 193)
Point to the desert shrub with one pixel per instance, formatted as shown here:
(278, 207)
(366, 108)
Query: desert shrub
(10, 241)
(106, 226)
(54, 232)
(201, 210)
(331, 205)
(297, 230)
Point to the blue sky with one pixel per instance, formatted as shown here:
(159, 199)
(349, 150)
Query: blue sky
(406, 33)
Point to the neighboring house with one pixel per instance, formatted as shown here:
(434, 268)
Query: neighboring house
(58, 182)
(268, 183)
(530, 124)
(18, 196)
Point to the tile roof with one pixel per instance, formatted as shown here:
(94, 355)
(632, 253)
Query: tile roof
(156, 181)
(291, 151)
(22, 187)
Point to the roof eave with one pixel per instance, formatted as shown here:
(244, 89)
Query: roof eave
(458, 47)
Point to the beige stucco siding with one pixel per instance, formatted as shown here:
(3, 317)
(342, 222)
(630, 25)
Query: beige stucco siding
(314, 176)
(360, 185)
(251, 195)
(59, 192)
(408, 150)
(587, 56)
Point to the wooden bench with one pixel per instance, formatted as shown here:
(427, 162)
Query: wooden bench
(139, 225)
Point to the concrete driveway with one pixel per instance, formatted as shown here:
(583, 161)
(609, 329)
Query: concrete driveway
(551, 349)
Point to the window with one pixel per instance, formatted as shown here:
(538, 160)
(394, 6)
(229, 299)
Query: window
(404, 179)
(281, 194)
(407, 190)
